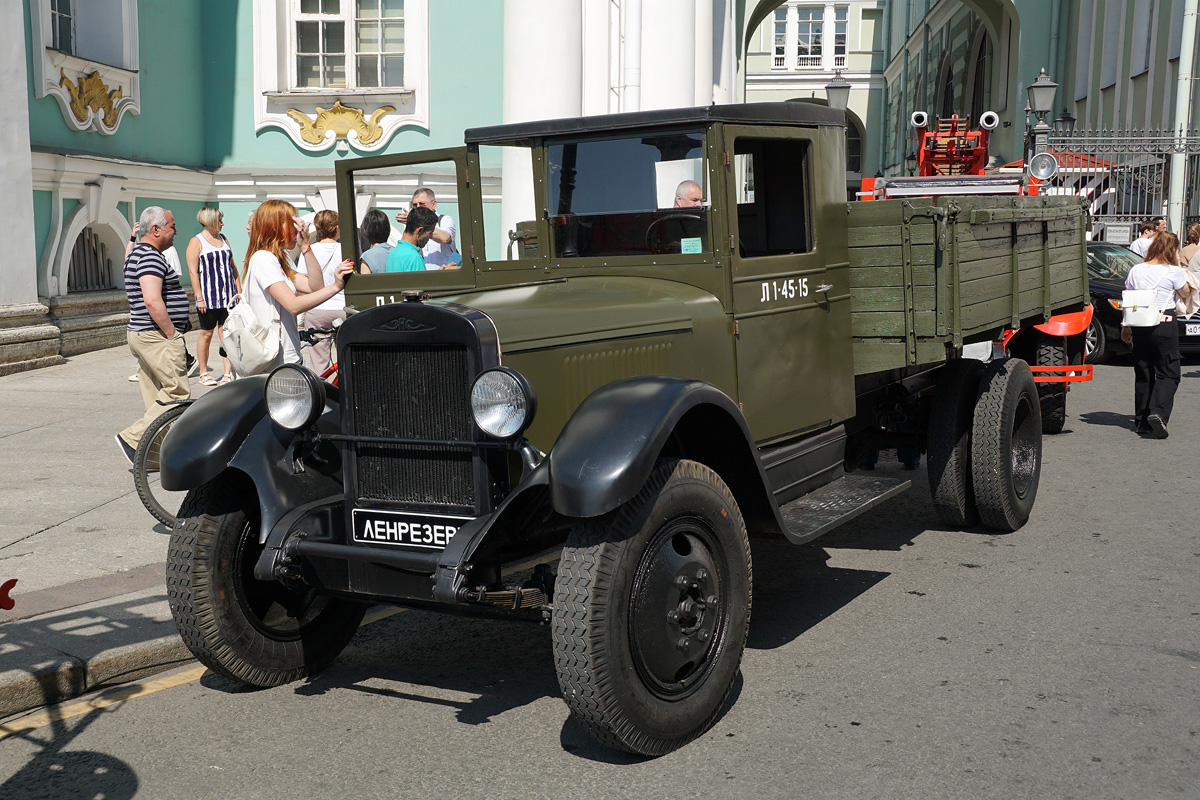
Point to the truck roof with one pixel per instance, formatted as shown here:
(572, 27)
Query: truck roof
(781, 113)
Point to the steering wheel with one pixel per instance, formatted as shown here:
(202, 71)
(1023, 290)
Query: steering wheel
(669, 245)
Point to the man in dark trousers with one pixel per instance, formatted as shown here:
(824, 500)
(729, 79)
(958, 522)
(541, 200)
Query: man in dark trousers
(158, 317)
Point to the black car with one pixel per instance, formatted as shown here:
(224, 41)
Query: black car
(1108, 266)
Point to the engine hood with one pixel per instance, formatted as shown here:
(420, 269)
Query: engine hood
(587, 309)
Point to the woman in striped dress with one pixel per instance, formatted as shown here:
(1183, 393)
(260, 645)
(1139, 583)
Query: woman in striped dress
(215, 282)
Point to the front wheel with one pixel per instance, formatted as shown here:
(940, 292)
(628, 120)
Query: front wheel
(1095, 342)
(260, 633)
(157, 500)
(651, 612)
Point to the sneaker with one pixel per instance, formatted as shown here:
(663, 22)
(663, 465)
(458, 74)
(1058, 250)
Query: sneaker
(126, 450)
(193, 366)
(1157, 426)
(1143, 428)
(133, 378)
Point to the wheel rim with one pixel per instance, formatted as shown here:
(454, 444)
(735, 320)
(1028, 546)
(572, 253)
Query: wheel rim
(272, 608)
(1090, 339)
(1024, 445)
(678, 608)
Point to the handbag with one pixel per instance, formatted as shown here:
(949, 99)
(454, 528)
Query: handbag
(1140, 308)
(251, 345)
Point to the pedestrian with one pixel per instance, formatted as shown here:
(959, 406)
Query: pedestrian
(373, 237)
(327, 251)
(270, 278)
(1191, 250)
(1156, 370)
(172, 257)
(418, 229)
(215, 284)
(1147, 230)
(441, 251)
(158, 318)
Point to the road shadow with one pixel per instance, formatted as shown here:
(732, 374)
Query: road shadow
(1109, 418)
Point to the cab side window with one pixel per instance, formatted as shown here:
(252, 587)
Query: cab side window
(630, 196)
(772, 188)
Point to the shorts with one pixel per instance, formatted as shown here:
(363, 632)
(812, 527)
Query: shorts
(212, 318)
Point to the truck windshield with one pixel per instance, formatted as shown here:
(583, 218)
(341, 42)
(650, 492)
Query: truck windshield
(630, 196)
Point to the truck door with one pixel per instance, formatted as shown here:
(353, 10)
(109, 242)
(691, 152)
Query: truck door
(791, 302)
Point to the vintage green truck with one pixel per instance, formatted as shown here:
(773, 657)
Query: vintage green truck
(585, 422)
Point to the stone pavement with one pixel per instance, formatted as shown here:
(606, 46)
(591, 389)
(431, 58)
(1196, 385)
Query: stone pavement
(90, 602)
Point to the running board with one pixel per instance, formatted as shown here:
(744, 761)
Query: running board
(819, 512)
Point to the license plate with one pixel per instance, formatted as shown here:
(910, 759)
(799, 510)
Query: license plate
(1191, 329)
(405, 528)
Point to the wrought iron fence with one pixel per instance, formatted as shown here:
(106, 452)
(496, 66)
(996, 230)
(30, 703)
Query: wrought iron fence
(1125, 174)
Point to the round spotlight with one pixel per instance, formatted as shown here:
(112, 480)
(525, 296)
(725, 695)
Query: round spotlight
(1043, 166)
(988, 120)
(919, 119)
(295, 397)
(502, 403)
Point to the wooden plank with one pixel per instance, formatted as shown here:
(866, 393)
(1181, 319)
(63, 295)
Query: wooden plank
(890, 276)
(889, 255)
(890, 298)
(884, 212)
(922, 234)
(879, 355)
(890, 323)
(971, 249)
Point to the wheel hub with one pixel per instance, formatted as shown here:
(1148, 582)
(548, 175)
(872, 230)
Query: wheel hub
(677, 608)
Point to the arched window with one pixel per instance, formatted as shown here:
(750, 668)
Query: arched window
(946, 101)
(981, 83)
(853, 147)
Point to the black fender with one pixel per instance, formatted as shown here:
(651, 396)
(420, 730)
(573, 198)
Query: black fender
(231, 430)
(609, 446)
(203, 440)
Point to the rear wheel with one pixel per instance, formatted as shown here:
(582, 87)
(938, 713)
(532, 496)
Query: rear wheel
(651, 612)
(259, 633)
(949, 442)
(1052, 352)
(1006, 445)
(159, 502)
(1095, 342)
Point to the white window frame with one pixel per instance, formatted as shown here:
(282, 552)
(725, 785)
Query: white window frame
(117, 20)
(275, 93)
(810, 61)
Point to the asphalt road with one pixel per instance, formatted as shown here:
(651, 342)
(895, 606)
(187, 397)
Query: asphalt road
(897, 659)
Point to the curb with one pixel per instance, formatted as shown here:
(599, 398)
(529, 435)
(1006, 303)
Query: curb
(60, 655)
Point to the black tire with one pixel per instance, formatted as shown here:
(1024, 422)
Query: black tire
(651, 612)
(145, 465)
(948, 442)
(259, 633)
(1095, 342)
(1006, 445)
(1052, 352)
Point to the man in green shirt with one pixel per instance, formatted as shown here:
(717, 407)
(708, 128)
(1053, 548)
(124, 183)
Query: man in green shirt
(418, 228)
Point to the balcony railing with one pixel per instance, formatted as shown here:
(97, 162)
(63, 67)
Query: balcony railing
(808, 62)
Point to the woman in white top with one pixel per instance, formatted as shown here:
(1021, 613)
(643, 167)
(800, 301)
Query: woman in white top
(327, 251)
(1156, 371)
(215, 282)
(270, 279)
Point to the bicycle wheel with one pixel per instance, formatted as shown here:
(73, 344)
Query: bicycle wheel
(145, 468)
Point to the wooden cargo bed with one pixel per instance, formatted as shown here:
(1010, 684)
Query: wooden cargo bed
(930, 275)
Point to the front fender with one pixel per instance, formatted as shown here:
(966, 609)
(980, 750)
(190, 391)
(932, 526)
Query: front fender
(203, 440)
(608, 448)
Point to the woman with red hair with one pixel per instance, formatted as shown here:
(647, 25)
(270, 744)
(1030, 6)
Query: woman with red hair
(270, 279)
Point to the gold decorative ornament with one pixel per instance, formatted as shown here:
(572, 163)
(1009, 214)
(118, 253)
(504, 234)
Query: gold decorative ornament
(92, 94)
(341, 120)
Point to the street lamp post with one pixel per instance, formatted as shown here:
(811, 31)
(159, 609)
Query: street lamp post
(837, 91)
(1039, 163)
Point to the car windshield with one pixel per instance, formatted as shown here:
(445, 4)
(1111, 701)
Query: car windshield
(1111, 261)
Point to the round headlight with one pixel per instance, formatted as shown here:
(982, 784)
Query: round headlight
(295, 397)
(502, 402)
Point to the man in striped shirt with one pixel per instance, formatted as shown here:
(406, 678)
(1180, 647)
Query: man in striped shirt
(158, 317)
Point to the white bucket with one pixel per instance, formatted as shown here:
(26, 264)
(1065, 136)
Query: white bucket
(1140, 307)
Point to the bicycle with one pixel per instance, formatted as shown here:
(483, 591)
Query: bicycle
(146, 458)
(146, 465)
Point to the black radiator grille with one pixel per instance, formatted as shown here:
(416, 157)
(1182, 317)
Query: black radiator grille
(413, 392)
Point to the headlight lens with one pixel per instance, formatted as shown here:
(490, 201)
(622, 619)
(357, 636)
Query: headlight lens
(295, 397)
(502, 403)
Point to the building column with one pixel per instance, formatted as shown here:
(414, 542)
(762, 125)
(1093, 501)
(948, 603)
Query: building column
(543, 79)
(669, 54)
(18, 275)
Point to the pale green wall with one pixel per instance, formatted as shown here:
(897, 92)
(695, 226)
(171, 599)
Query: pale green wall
(170, 128)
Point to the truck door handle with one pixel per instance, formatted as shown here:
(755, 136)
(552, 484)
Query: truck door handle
(824, 287)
